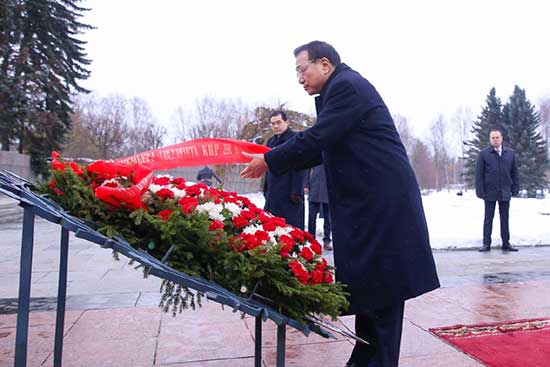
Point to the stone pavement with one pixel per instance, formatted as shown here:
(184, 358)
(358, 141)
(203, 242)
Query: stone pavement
(112, 318)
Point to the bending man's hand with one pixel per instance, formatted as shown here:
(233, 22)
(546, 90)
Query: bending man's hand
(256, 168)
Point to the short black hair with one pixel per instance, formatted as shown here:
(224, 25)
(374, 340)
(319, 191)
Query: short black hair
(277, 113)
(495, 130)
(319, 49)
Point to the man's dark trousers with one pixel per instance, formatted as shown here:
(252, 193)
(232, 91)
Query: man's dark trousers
(314, 209)
(382, 329)
(503, 210)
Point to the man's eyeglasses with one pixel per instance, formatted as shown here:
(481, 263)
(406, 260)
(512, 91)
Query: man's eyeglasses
(301, 69)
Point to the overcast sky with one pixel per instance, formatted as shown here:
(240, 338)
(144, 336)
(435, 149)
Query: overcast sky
(425, 57)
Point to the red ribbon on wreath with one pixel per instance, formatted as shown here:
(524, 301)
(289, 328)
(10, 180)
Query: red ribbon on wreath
(140, 167)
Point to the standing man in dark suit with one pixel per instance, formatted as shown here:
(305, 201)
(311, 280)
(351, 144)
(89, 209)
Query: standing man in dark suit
(316, 186)
(284, 192)
(381, 245)
(496, 180)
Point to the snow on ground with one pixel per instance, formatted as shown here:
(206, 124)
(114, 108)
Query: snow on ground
(456, 222)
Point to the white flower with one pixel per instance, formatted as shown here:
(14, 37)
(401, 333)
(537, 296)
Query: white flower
(279, 231)
(154, 188)
(177, 192)
(252, 229)
(214, 210)
(233, 208)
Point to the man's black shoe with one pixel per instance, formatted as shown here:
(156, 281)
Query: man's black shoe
(508, 247)
(485, 248)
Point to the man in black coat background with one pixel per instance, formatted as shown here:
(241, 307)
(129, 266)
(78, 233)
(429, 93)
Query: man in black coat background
(496, 181)
(380, 236)
(284, 192)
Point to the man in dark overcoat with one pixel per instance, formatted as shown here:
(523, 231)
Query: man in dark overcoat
(380, 236)
(496, 181)
(284, 192)
(317, 198)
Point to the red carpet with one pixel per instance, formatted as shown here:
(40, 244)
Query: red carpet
(522, 343)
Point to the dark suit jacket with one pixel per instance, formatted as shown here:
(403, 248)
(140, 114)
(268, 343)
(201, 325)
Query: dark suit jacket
(279, 187)
(317, 184)
(496, 176)
(381, 245)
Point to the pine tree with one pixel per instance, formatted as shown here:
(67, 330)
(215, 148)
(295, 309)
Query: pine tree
(522, 123)
(491, 118)
(8, 38)
(42, 63)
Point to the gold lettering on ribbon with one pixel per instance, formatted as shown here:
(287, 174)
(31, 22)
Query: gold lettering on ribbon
(227, 149)
(210, 150)
(179, 153)
(141, 158)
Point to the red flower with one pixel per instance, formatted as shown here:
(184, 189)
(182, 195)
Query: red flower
(316, 247)
(161, 181)
(248, 214)
(328, 277)
(307, 253)
(262, 236)
(165, 214)
(250, 240)
(246, 201)
(309, 237)
(297, 234)
(165, 193)
(321, 265)
(240, 222)
(76, 169)
(56, 165)
(285, 250)
(215, 225)
(263, 217)
(287, 240)
(188, 204)
(269, 226)
(195, 190)
(178, 181)
(230, 199)
(299, 272)
(278, 221)
(316, 277)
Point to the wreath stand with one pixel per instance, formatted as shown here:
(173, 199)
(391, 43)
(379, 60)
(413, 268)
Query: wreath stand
(35, 205)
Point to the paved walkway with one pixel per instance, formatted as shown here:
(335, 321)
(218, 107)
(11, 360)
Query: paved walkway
(112, 318)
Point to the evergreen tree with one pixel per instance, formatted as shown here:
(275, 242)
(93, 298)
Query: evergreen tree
(8, 37)
(522, 123)
(491, 118)
(42, 62)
